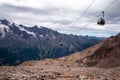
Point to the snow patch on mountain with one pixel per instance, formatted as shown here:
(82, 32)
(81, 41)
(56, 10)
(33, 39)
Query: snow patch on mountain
(29, 32)
(53, 35)
(46, 35)
(41, 36)
(4, 29)
(71, 48)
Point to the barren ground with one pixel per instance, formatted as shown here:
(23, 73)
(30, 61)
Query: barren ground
(54, 69)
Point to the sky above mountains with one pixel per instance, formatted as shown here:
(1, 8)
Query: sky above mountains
(60, 15)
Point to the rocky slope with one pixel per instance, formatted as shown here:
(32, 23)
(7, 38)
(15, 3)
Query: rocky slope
(53, 69)
(103, 55)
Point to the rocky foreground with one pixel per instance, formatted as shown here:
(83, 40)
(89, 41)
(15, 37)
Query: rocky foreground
(52, 69)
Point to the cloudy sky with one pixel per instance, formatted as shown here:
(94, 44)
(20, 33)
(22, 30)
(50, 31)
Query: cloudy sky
(61, 15)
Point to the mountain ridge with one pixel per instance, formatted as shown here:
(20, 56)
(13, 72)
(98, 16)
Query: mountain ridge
(19, 43)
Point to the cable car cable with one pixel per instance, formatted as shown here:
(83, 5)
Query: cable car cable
(82, 14)
(109, 5)
(99, 14)
(61, 43)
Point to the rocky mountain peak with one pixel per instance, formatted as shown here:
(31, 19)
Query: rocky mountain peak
(5, 22)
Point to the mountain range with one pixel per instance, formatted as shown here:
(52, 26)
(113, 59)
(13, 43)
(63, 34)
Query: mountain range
(19, 43)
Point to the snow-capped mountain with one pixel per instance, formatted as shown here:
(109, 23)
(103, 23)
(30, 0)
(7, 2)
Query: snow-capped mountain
(23, 31)
(19, 43)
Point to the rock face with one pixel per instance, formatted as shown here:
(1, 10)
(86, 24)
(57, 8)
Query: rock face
(19, 43)
(108, 55)
(103, 55)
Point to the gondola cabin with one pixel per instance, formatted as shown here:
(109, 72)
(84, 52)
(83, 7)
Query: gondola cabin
(60, 44)
(101, 22)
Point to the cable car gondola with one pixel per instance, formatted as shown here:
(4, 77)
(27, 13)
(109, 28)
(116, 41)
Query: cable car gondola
(61, 44)
(101, 21)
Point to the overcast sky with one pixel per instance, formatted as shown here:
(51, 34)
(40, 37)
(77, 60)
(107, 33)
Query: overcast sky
(60, 15)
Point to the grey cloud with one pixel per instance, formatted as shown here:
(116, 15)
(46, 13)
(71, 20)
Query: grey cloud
(64, 22)
(24, 9)
(7, 9)
(113, 13)
(12, 8)
(59, 16)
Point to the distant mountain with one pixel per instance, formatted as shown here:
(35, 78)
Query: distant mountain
(103, 55)
(19, 43)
